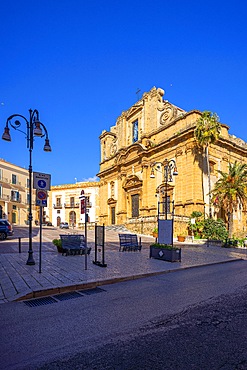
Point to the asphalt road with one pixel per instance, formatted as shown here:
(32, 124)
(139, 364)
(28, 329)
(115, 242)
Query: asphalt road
(190, 319)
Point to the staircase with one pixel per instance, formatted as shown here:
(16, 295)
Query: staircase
(117, 228)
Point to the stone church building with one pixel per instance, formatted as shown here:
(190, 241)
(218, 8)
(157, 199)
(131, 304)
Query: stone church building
(133, 172)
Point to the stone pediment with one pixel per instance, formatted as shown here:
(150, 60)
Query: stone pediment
(130, 153)
(161, 189)
(131, 182)
(135, 108)
(111, 201)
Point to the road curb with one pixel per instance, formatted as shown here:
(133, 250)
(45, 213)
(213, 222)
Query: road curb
(92, 285)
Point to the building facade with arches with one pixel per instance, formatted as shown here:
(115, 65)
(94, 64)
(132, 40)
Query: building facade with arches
(65, 204)
(132, 166)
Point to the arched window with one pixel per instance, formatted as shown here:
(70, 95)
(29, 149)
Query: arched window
(135, 131)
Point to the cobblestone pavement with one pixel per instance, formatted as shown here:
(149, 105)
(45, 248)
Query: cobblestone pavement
(55, 273)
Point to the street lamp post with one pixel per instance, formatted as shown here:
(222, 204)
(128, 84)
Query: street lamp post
(34, 128)
(170, 170)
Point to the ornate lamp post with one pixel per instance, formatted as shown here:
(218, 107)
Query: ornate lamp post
(34, 128)
(170, 170)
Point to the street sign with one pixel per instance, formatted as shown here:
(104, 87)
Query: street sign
(41, 181)
(41, 198)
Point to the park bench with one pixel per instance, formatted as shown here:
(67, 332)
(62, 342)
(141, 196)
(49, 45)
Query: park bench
(129, 242)
(73, 244)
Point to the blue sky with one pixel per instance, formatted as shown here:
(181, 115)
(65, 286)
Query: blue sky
(81, 62)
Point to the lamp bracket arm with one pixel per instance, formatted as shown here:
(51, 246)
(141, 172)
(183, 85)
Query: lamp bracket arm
(46, 133)
(16, 125)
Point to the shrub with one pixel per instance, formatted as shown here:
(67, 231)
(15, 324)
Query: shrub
(214, 229)
(57, 242)
(163, 246)
(196, 228)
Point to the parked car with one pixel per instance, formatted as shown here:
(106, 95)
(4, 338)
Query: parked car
(47, 223)
(64, 225)
(6, 229)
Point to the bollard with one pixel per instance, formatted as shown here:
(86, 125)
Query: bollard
(19, 245)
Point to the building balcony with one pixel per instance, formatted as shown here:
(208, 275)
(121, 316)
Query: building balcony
(71, 205)
(57, 206)
(16, 200)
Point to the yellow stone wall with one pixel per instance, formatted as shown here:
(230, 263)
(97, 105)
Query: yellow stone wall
(164, 132)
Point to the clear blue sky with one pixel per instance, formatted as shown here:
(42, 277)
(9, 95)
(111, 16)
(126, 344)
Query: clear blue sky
(80, 63)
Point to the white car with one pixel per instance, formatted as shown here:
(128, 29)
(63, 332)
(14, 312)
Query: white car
(64, 225)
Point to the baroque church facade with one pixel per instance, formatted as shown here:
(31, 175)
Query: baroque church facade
(133, 165)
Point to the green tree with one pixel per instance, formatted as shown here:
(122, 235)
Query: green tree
(230, 191)
(207, 131)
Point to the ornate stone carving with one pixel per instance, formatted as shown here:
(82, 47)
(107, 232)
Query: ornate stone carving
(225, 159)
(179, 152)
(170, 112)
(148, 143)
(189, 147)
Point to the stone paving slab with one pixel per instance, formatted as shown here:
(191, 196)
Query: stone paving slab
(60, 273)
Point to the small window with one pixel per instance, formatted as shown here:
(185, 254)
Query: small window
(14, 179)
(135, 131)
(58, 202)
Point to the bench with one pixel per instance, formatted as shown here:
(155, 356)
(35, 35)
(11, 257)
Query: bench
(73, 244)
(129, 242)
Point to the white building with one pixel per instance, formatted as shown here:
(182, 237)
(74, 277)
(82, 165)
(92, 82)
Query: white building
(65, 205)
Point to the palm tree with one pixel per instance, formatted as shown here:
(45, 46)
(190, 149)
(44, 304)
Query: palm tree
(207, 131)
(230, 190)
